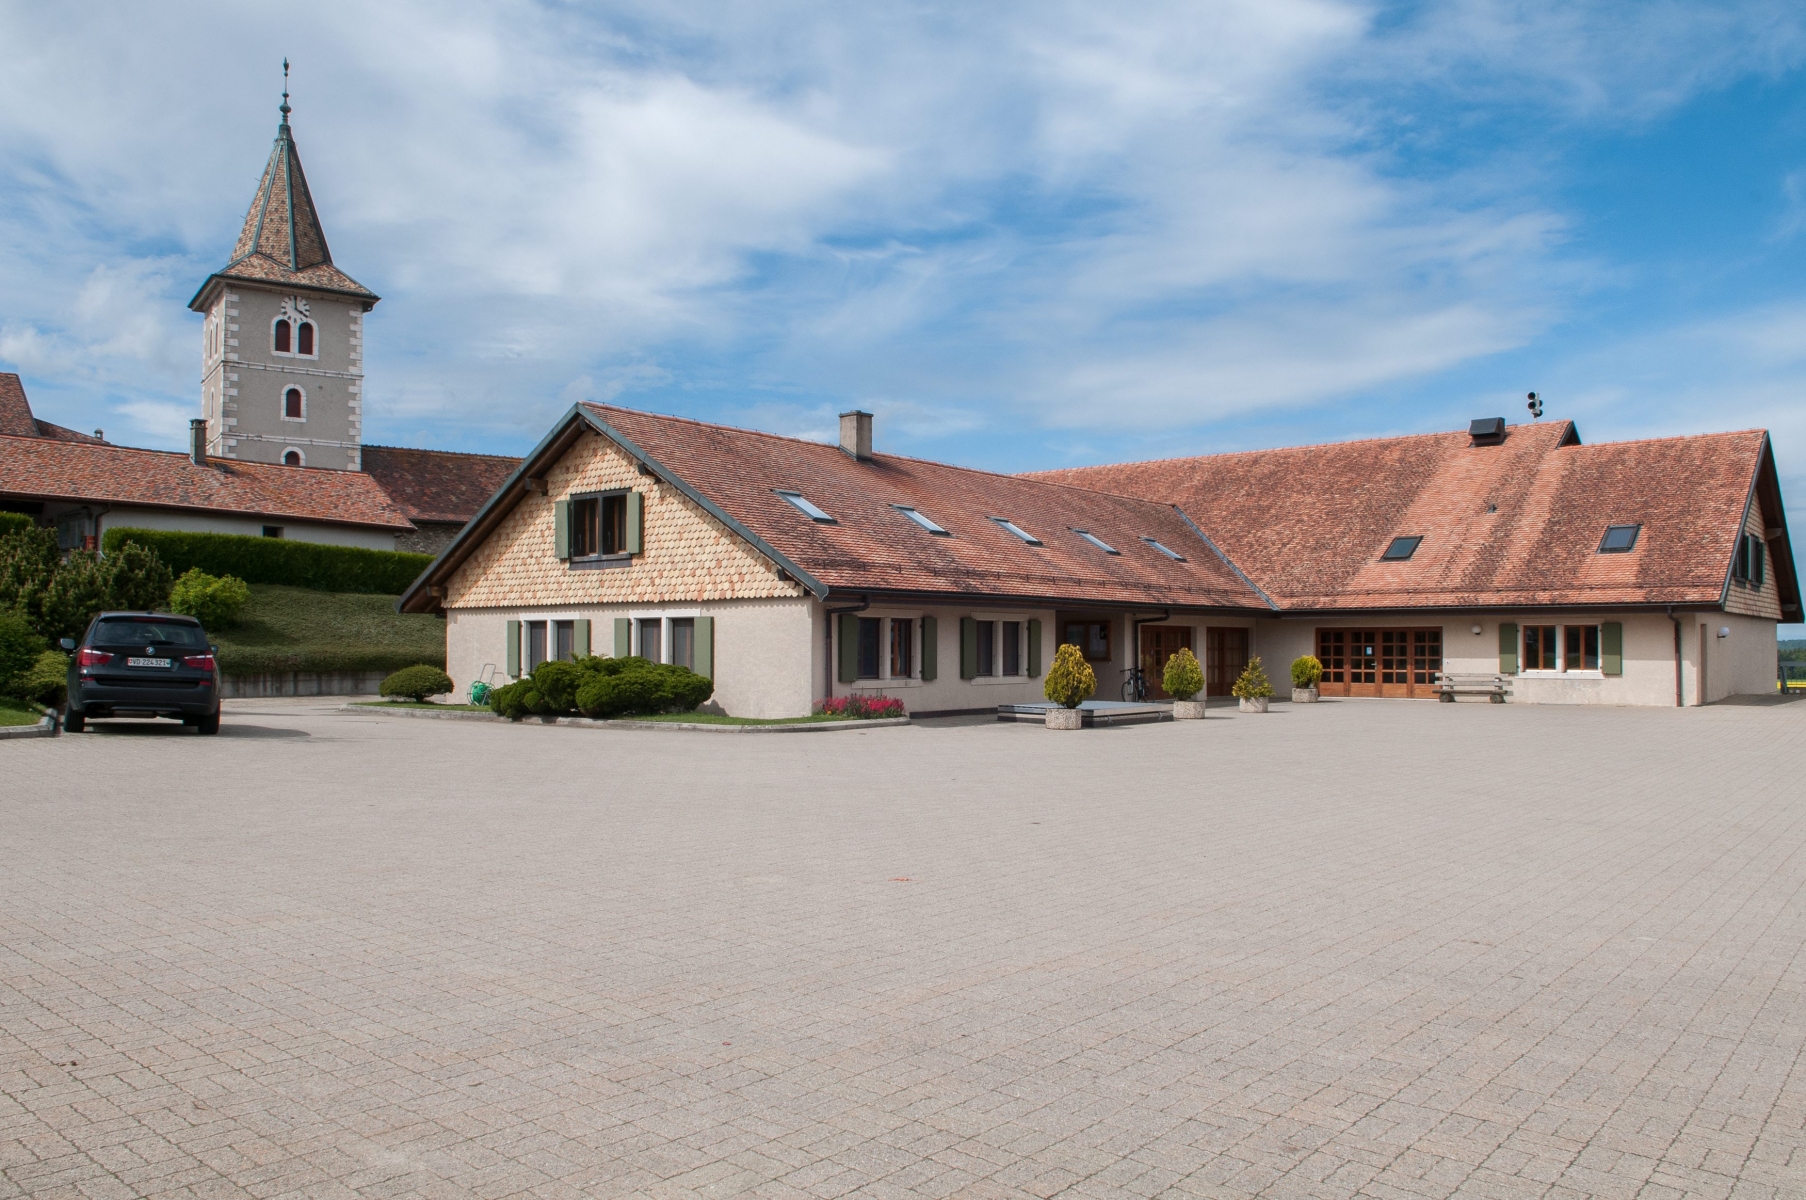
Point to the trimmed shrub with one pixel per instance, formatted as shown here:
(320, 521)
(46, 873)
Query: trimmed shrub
(1070, 681)
(862, 707)
(1252, 682)
(20, 646)
(514, 701)
(602, 687)
(278, 560)
(1183, 678)
(1306, 671)
(47, 682)
(213, 601)
(557, 683)
(416, 683)
(14, 522)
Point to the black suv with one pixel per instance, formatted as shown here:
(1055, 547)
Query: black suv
(141, 664)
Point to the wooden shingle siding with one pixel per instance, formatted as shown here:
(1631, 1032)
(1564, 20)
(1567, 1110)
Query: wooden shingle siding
(1765, 601)
(685, 554)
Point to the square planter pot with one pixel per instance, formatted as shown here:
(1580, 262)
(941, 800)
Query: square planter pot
(1255, 703)
(1188, 710)
(1304, 695)
(1064, 718)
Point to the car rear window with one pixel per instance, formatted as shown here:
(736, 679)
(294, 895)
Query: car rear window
(140, 632)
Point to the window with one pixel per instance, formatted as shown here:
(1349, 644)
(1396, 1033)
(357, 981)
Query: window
(292, 458)
(683, 642)
(1012, 648)
(272, 531)
(650, 631)
(304, 338)
(1540, 648)
(1091, 637)
(987, 647)
(282, 337)
(564, 640)
(294, 404)
(869, 634)
(586, 526)
(803, 506)
(1016, 529)
(1748, 565)
(1170, 553)
(536, 644)
(921, 520)
(1580, 647)
(902, 648)
(1401, 549)
(1099, 542)
(1619, 539)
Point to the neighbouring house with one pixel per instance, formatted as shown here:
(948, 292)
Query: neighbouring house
(790, 570)
(437, 490)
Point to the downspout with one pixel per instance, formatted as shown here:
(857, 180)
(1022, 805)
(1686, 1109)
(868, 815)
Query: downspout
(1677, 657)
(865, 602)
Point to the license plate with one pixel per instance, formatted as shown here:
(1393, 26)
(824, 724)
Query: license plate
(147, 662)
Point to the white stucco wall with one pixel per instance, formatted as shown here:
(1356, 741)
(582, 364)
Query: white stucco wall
(200, 522)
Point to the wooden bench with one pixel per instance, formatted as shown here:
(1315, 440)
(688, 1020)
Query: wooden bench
(1497, 687)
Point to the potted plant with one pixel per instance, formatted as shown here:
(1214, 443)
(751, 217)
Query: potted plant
(1252, 688)
(1183, 680)
(1306, 672)
(1070, 682)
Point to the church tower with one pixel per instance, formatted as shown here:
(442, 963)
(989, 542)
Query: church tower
(282, 350)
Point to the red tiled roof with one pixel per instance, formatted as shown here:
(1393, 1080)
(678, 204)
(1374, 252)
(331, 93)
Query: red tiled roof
(1308, 524)
(47, 469)
(16, 419)
(872, 546)
(437, 485)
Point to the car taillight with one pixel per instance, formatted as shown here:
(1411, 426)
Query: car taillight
(89, 657)
(200, 662)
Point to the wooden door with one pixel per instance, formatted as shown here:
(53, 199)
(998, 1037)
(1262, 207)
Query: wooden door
(1380, 662)
(1226, 658)
(1159, 643)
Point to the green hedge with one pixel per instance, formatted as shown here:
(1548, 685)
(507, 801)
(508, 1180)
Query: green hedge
(278, 560)
(13, 522)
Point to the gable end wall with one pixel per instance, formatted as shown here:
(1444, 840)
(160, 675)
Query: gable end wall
(1757, 602)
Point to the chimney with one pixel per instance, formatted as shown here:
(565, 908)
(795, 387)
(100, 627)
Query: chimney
(856, 434)
(197, 441)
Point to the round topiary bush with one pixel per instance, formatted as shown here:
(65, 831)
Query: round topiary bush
(1070, 681)
(1306, 671)
(1183, 677)
(213, 600)
(1253, 682)
(416, 683)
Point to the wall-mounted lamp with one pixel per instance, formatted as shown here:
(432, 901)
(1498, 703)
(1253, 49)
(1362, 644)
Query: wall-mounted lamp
(1477, 631)
(1724, 631)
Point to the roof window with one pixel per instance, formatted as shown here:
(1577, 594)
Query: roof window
(1099, 542)
(1401, 549)
(1166, 550)
(1016, 529)
(1619, 539)
(925, 522)
(802, 505)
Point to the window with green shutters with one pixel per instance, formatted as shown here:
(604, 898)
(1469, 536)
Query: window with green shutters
(598, 529)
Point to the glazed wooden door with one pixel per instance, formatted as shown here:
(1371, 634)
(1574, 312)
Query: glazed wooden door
(1159, 643)
(1226, 658)
(1379, 662)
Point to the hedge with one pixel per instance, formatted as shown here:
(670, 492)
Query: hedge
(278, 560)
(13, 522)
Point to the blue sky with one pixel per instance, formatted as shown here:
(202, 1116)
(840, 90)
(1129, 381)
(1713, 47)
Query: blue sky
(1025, 235)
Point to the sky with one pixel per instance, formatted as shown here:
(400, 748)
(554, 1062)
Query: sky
(1024, 235)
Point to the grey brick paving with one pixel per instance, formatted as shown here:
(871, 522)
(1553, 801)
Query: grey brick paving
(1374, 949)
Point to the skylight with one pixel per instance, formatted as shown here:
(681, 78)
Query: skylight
(1016, 529)
(802, 505)
(1166, 550)
(1400, 549)
(1099, 542)
(925, 522)
(1619, 539)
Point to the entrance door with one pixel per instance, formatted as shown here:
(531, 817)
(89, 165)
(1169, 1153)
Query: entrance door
(1379, 662)
(1226, 660)
(1159, 643)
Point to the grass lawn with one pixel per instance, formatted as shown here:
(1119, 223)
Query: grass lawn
(14, 713)
(422, 704)
(297, 629)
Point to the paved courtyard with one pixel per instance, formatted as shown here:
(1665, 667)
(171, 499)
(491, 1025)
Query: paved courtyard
(1369, 948)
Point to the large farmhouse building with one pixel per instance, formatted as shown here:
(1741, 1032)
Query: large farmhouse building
(1646, 572)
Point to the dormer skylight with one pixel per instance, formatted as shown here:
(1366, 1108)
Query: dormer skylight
(1099, 542)
(1619, 539)
(1166, 550)
(802, 505)
(1016, 529)
(1401, 549)
(925, 522)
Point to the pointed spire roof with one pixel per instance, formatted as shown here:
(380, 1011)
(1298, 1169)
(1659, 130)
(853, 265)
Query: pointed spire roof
(282, 242)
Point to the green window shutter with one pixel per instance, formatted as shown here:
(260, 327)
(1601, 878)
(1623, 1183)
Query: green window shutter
(849, 647)
(1508, 649)
(1758, 560)
(580, 639)
(623, 637)
(635, 521)
(931, 645)
(1611, 648)
(705, 646)
(968, 648)
(1034, 649)
(561, 528)
(513, 651)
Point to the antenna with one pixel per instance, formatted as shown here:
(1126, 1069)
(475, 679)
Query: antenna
(284, 109)
(1535, 406)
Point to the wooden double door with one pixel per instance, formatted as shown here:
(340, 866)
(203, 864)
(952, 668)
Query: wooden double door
(1225, 656)
(1159, 643)
(1380, 662)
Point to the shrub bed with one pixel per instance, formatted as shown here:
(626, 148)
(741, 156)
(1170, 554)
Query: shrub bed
(602, 687)
(278, 560)
(861, 708)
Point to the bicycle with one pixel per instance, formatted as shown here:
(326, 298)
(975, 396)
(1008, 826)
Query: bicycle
(1135, 687)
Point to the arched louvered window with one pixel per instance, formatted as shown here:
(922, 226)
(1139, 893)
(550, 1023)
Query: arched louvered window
(304, 338)
(293, 405)
(282, 337)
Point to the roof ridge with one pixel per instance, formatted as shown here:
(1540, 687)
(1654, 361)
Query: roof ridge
(428, 450)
